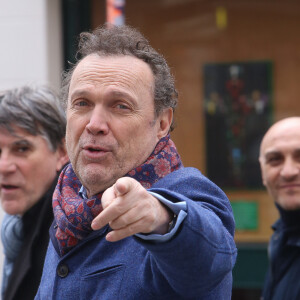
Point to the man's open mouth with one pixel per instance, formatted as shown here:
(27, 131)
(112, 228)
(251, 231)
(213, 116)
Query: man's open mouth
(94, 150)
(8, 186)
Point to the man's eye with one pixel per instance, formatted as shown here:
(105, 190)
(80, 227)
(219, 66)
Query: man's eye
(22, 149)
(273, 160)
(122, 106)
(81, 103)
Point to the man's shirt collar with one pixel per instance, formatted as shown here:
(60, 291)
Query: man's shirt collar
(83, 193)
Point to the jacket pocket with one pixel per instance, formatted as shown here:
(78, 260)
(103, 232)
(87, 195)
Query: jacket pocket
(102, 284)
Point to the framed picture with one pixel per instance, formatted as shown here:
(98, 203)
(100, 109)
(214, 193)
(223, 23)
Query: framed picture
(238, 111)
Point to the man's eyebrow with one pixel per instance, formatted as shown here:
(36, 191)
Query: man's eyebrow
(79, 93)
(23, 142)
(122, 94)
(119, 93)
(114, 93)
(276, 152)
(272, 152)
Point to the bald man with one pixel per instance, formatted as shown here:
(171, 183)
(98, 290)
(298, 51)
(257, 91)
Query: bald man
(280, 166)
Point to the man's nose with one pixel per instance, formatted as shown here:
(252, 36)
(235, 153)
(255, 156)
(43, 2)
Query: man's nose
(290, 169)
(7, 164)
(98, 121)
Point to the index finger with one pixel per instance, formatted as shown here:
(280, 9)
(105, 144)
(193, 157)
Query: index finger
(108, 214)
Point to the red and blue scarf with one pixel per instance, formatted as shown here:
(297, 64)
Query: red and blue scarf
(74, 215)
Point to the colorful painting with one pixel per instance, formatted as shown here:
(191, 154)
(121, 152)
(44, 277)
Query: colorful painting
(238, 111)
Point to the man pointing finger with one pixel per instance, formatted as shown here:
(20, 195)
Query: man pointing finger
(172, 229)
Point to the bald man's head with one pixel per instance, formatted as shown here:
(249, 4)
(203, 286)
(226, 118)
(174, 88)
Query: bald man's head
(280, 162)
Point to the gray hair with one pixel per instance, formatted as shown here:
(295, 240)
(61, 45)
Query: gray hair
(37, 110)
(125, 40)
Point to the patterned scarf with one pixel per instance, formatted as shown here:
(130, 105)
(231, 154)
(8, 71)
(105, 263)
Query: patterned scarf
(74, 215)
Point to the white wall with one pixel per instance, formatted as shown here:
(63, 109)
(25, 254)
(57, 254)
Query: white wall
(30, 47)
(30, 42)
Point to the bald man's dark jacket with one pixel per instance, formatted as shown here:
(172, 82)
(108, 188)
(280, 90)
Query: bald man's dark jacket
(282, 280)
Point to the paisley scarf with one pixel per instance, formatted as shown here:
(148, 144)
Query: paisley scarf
(74, 215)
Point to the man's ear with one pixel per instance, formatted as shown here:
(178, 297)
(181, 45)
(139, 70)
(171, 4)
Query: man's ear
(165, 121)
(261, 170)
(62, 156)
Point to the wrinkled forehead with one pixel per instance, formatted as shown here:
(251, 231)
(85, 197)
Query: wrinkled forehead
(99, 68)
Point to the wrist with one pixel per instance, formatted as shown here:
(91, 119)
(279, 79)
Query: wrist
(165, 221)
(172, 223)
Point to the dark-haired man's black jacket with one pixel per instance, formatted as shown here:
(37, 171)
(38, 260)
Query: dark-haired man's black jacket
(25, 278)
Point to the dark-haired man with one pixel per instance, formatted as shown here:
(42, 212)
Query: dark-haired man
(32, 152)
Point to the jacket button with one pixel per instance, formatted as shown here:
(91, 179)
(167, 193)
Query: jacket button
(62, 271)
